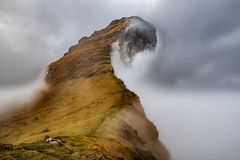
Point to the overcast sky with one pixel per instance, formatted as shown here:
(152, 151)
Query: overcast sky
(199, 46)
(199, 39)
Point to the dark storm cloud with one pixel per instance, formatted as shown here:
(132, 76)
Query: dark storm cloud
(199, 39)
(201, 43)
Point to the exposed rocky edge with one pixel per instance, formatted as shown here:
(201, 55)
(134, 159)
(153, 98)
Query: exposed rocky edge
(86, 106)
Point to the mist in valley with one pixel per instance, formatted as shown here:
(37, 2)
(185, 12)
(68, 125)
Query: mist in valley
(194, 123)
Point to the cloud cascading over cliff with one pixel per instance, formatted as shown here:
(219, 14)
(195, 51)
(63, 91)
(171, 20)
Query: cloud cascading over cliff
(87, 106)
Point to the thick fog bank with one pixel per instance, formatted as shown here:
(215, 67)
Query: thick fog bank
(193, 124)
(196, 126)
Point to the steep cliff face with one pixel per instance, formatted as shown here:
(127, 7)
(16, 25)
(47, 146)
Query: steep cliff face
(86, 106)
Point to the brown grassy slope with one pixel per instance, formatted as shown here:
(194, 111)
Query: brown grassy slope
(86, 99)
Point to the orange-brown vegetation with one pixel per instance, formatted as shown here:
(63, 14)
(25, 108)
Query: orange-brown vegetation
(89, 108)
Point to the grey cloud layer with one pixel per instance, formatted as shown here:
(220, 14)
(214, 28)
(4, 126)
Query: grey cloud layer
(201, 43)
(200, 39)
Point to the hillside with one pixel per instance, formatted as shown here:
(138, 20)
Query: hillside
(86, 106)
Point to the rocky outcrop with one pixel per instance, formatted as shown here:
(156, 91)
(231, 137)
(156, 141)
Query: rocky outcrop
(87, 106)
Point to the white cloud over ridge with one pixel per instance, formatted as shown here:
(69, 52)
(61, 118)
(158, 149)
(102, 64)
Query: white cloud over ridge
(192, 124)
(199, 49)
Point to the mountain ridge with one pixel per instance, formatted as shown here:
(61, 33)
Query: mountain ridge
(86, 101)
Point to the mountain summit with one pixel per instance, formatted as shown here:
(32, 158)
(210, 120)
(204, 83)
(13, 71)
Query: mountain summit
(86, 106)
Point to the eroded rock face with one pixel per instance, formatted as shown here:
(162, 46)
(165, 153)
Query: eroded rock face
(86, 106)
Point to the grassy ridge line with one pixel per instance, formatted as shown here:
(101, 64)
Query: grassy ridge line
(84, 148)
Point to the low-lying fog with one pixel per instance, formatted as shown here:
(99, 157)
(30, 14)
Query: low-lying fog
(193, 124)
(200, 47)
(12, 98)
